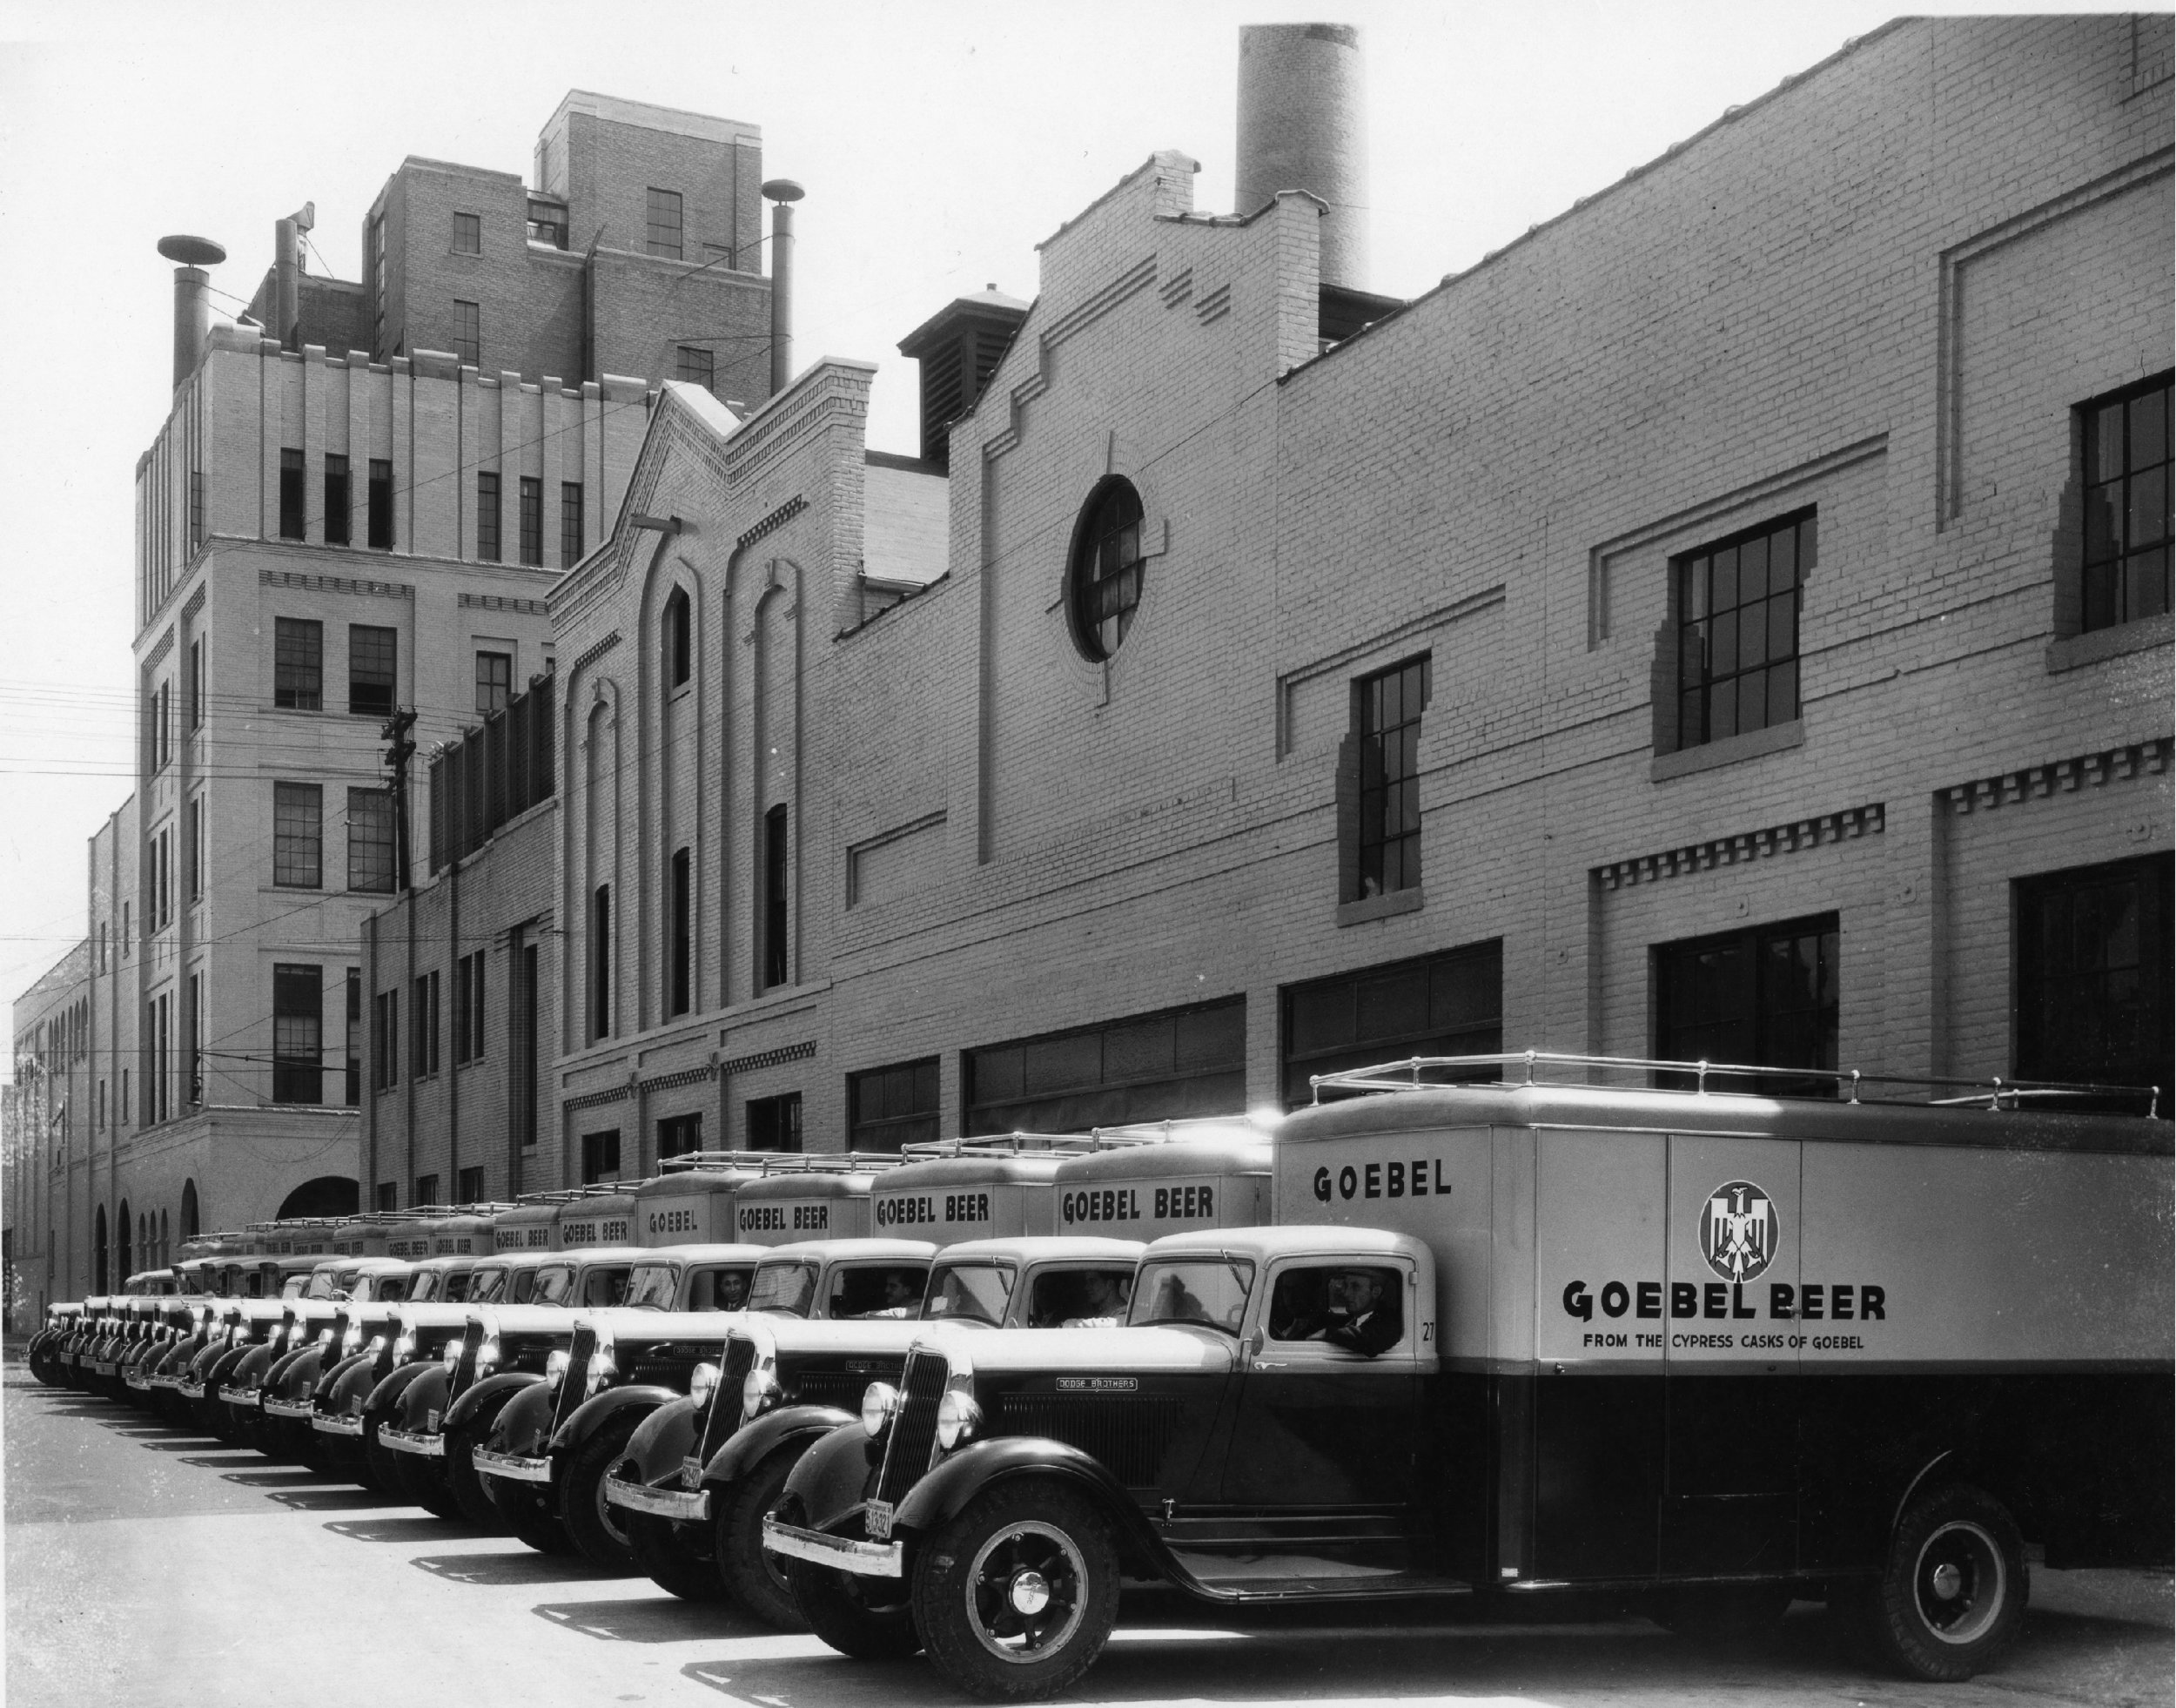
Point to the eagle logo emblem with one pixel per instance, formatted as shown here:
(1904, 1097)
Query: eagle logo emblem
(1739, 1231)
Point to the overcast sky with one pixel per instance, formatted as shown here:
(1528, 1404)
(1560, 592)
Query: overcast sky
(938, 143)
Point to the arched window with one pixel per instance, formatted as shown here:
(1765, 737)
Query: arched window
(189, 1210)
(1102, 578)
(128, 1247)
(677, 660)
(99, 1252)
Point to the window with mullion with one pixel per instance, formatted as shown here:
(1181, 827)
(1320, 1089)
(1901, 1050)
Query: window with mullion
(297, 835)
(664, 223)
(1391, 703)
(298, 1034)
(298, 663)
(2126, 525)
(1106, 570)
(1737, 630)
(2094, 974)
(1764, 997)
(532, 521)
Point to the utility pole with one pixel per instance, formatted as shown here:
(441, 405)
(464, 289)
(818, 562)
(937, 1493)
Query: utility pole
(399, 748)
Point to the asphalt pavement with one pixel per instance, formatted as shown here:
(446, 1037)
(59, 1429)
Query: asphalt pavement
(147, 1565)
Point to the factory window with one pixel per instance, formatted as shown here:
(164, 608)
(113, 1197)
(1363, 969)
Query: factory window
(494, 682)
(1444, 1005)
(771, 966)
(423, 1027)
(1735, 624)
(531, 522)
(298, 663)
(426, 1190)
(888, 1108)
(298, 1023)
(600, 1156)
(2126, 438)
(1104, 574)
(1764, 997)
(674, 646)
(197, 687)
(601, 962)
(548, 224)
(353, 1088)
(375, 242)
(469, 234)
(1386, 838)
(388, 1196)
(487, 515)
(2094, 975)
(569, 523)
(380, 505)
(468, 1007)
(679, 1134)
(193, 846)
(664, 223)
(774, 1123)
(681, 929)
(385, 1040)
(196, 1037)
(522, 1047)
(336, 499)
(370, 865)
(698, 366)
(469, 1187)
(1181, 1062)
(297, 835)
(291, 495)
(468, 333)
(372, 661)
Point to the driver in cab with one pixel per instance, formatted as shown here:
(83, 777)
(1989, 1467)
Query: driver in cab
(1358, 1311)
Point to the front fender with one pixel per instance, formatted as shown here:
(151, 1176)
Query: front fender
(385, 1394)
(419, 1398)
(222, 1368)
(523, 1424)
(250, 1372)
(944, 1493)
(752, 1443)
(348, 1387)
(600, 1409)
(480, 1402)
(200, 1364)
(662, 1439)
(833, 1476)
(295, 1376)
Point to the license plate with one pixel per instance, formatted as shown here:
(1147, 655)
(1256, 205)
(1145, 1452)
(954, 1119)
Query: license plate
(431, 1421)
(691, 1472)
(880, 1521)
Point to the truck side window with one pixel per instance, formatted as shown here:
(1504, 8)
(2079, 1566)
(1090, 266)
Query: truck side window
(718, 1289)
(1352, 1304)
(890, 1290)
(1070, 1297)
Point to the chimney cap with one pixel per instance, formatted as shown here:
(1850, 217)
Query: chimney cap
(192, 252)
(782, 190)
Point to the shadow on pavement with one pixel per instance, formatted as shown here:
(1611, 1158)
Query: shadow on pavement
(272, 1479)
(525, 1567)
(334, 1499)
(668, 1619)
(404, 1530)
(221, 1461)
(181, 1444)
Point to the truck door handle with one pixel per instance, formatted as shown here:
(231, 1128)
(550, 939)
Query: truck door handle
(1270, 1364)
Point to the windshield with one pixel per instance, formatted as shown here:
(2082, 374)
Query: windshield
(320, 1284)
(1080, 1298)
(486, 1287)
(423, 1287)
(717, 1289)
(1211, 1290)
(554, 1284)
(788, 1289)
(293, 1289)
(651, 1287)
(877, 1289)
(971, 1292)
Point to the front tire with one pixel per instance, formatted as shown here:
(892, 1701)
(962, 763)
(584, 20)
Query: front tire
(469, 1493)
(851, 1613)
(750, 1572)
(677, 1558)
(529, 1516)
(599, 1529)
(1016, 1596)
(1951, 1595)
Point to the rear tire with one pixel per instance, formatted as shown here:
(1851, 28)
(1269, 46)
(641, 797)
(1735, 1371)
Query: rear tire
(752, 1575)
(839, 1608)
(598, 1528)
(1953, 1591)
(677, 1558)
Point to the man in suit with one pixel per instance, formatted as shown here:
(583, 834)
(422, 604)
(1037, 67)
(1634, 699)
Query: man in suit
(1361, 1313)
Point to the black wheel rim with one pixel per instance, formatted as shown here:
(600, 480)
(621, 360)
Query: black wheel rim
(1026, 1592)
(1960, 1582)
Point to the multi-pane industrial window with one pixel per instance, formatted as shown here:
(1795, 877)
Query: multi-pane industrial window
(468, 1187)
(380, 504)
(192, 845)
(680, 934)
(297, 835)
(468, 1007)
(370, 865)
(2126, 544)
(298, 1024)
(1736, 604)
(2093, 962)
(548, 224)
(1181, 1062)
(1763, 998)
(664, 223)
(469, 234)
(521, 1048)
(569, 523)
(600, 1156)
(157, 1081)
(298, 663)
(773, 966)
(385, 1040)
(601, 962)
(532, 521)
(197, 685)
(487, 515)
(336, 499)
(1386, 710)
(494, 682)
(292, 501)
(387, 1194)
(774, 1123)
(423, 1023)
(352, 1089)
(372, 657)
(1444, 1005)
(157, 717)
(698, 365)
(889, 1108)
(1105, 576)
(676, 652)
(468, 333)
(195, 1028)
(678, 1134)
(426, 1190)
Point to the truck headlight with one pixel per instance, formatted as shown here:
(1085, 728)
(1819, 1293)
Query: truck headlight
(600, 1372)
(451, 1357)
(488, 1355)
(555, 1367)
(702, 1381)
(404, 1348)
(880, 1402)
(377, 1345)
(352, 1342)
(324, 1337)
(758, 1391)
(957, 1418)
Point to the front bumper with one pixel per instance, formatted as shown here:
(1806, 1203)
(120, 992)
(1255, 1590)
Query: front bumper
(136, 1379)
(245, 1397)
(336, 1423)
(405, 1441)
(863, 1559)
(188, 1389)
(104, 1367)
(288, 1407)
(512, 1466)
(679, 1505)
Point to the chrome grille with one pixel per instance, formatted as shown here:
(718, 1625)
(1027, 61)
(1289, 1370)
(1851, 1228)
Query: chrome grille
(913, 1440)
(723, 1416)
(570, 1393)
(1127, 1435)
(842, 1388)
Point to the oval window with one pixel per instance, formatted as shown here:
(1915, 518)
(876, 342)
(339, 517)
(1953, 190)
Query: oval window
(1105, 576)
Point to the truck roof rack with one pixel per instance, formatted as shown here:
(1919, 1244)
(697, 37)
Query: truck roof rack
(1715, 1078)
(687, 1161)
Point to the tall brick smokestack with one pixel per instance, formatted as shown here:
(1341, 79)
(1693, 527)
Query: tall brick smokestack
(1302, 126)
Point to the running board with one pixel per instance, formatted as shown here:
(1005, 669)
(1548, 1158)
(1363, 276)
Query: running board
(1272, 1578)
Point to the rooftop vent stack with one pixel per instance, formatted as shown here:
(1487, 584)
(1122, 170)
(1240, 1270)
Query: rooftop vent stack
(192, 298)
(287, 261)
(784, 192)
(960, 348)
(1301, 128)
